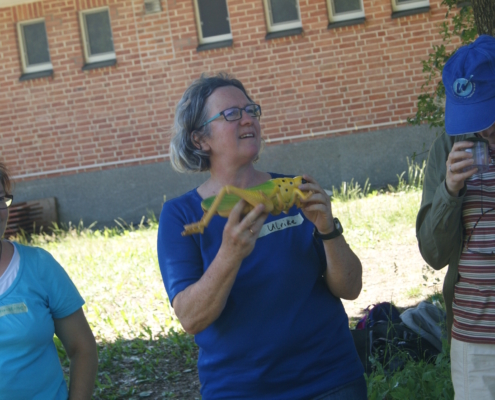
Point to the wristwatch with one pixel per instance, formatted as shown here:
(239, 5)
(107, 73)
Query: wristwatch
(332, 235)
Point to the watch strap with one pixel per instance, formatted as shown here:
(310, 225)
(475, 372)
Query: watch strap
(338, 230)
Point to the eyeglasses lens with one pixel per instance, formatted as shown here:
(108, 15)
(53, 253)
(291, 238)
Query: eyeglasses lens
(253, 110)
(232, 114)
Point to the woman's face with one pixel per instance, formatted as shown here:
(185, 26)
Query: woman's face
(231, 142)
(4, 214)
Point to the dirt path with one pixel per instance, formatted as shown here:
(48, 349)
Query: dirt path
(394, 274)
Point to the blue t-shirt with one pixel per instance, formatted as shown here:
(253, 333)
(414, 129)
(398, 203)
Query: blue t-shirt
(282, 334)
(29, 364)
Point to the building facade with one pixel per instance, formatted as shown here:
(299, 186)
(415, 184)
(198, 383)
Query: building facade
(88, 90)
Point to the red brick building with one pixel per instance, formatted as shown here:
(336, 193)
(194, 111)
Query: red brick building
(88, 90)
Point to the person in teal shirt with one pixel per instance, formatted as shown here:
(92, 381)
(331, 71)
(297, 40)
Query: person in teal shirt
(38, 299)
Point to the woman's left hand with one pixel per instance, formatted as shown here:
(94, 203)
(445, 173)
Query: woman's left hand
(317, 208)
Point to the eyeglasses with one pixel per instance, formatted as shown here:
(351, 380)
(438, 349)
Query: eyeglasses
(6, 201)
(235, 113)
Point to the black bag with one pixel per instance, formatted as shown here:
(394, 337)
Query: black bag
(391, 345)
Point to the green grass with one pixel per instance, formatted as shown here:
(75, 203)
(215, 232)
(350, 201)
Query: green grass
(414, 292)
(379, 219)
(118, 275)
(418, 380)
(143, 350)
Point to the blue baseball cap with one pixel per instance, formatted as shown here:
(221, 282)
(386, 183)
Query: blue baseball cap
(469, 80)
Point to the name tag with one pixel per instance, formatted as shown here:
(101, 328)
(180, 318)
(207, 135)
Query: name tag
(18, 308)
(281, 224)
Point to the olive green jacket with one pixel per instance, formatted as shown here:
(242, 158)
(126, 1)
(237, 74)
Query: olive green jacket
(439, 226)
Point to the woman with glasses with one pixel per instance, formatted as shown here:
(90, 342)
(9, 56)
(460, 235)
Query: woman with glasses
(456, 222)
(261, 293)
(38, 299)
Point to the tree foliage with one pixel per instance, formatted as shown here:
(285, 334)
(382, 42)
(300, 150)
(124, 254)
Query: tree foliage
(484, 16)
(456, 30)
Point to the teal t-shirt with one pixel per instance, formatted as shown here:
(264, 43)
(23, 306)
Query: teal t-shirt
(29, 365)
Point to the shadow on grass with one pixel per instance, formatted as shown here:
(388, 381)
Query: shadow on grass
(160, 368)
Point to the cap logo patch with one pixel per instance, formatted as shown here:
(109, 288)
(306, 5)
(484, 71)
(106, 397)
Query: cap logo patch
(463, 87)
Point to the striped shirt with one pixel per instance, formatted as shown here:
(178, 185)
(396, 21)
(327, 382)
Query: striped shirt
(474, 294)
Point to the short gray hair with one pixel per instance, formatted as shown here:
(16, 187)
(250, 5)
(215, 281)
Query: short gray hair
(190, 114)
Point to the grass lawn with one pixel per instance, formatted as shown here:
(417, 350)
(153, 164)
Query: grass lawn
(143, 351)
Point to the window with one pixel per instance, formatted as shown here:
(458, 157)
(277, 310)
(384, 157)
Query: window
(152, 6)
(97, 37)
(282, 15)
(344, 10)
(33, 42)
(212, 18)
(403, 5)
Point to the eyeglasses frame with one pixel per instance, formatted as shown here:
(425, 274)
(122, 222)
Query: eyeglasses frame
(9, 197)
(222, 113)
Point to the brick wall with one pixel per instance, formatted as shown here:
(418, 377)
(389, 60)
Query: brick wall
(322, 82)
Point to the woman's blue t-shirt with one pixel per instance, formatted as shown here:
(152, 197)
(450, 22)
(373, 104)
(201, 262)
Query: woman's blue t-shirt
(282, 334)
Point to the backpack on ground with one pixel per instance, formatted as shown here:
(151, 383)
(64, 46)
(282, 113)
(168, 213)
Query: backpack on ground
(379, 312)
(383, 338)
(427, 320)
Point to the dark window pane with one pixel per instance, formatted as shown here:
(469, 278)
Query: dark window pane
(407, 1)
(284, 11)
(99, 33)
(36, 44)
(342, 6)
(214, 17)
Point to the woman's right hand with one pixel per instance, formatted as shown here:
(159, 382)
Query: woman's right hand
(201, 303)
(458, 160)
(240, 234)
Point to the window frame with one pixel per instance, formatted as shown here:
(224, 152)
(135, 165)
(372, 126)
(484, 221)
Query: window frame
(344, 16)
(284, 26)
(85, 38)
(410, 6)
(212, 39)
(26, 69)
